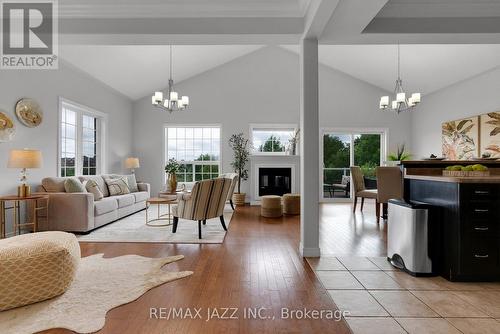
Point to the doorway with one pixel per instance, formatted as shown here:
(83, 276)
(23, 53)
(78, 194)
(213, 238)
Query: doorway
(342, 148)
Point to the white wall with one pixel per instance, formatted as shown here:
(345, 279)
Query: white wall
(45, 86)
(262, 87)
(475, 96)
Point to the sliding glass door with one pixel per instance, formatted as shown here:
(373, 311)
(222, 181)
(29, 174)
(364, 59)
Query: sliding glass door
(344, 148)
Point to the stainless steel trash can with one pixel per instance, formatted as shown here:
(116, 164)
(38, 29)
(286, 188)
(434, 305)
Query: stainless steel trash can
(408, 237)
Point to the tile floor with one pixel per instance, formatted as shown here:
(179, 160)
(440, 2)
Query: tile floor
(381, 299)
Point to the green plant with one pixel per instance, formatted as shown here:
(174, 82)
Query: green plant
(239, 144)
(173, 166)
(399, 155)
(368, 169)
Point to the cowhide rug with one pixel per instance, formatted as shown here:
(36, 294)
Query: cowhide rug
(101, 284)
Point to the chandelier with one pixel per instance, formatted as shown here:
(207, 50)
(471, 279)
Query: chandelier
(172, 102)
(401, 103)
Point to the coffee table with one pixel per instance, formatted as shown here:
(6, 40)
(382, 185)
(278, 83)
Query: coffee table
(163, 219)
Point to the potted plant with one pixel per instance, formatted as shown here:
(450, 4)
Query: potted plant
(172, 168)
(239, 144)
(400, 155)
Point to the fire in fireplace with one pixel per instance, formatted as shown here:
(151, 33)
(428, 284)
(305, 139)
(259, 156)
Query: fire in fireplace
(275, 181)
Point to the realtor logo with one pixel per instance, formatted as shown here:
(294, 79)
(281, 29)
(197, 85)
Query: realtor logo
(29, 34)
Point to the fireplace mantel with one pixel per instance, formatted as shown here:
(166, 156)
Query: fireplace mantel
(272, 161)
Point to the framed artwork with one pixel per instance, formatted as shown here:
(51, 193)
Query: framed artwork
(490, 134)
(460, 139)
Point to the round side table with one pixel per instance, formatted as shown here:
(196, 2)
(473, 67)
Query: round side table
(165, 218)
(34, 211)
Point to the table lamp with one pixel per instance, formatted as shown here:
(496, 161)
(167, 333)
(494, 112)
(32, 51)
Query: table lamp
(24, 159)
(132, 164)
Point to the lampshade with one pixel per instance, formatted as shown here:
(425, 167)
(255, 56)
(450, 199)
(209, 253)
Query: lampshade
(401, 97)
(174, 96)
(132, 163)
(25, 159)
(185, 100)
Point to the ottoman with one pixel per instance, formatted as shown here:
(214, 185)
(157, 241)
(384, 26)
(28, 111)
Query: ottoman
(291, 204)
(36, 267)
(270, 206)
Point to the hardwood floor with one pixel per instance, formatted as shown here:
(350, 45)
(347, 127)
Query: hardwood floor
(344, 233)
(256, 266)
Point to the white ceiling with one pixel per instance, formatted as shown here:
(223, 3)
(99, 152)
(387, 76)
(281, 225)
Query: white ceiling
(136, 71)
(424, 68)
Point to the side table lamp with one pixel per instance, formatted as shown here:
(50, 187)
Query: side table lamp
(24, 159)
(132, 164)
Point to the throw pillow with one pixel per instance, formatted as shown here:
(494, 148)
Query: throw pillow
(72, 185)
(93, 188)
(132, 183)
(117, 186)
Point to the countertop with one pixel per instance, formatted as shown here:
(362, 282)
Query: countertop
(469, 179)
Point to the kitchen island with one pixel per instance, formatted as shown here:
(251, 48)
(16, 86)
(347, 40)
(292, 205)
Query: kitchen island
(467, 212)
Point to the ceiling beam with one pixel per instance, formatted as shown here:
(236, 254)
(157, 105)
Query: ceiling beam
(125, 31)
(317, 17)
(350, 18)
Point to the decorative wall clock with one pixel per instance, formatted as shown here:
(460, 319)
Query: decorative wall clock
(7, 127)
(28, 112)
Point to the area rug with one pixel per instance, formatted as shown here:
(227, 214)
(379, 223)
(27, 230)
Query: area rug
(134, 229)
(100, 285)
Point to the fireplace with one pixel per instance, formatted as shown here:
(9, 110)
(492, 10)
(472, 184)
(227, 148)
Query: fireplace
(275, 181)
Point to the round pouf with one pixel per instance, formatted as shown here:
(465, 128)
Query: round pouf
(36, 267)
(270, 206)
(291, 204)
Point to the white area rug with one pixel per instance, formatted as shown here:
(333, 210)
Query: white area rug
(100, 285)
(134, 229)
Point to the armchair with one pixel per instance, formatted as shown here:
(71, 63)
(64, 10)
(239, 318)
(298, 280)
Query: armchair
(234, 181)
(206, 200)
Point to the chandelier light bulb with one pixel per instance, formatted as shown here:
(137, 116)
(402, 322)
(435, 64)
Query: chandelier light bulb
(416, 97)
(174, 97)
(384, 102)
(401, 97)
(158, 97)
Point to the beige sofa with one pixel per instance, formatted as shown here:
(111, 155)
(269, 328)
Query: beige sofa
(78, 212)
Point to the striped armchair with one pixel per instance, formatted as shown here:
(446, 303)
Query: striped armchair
(206, 200)
(234, 181)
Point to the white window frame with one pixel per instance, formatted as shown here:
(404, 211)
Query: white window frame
(165, 149)
(101, 130)
(384, 132)
(269, 126)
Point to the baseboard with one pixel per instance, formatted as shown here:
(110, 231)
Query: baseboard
(309, 251)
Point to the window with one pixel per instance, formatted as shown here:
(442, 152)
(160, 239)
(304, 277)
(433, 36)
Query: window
(342, 148)
(271, 139)
(198, 150)
(80, 138)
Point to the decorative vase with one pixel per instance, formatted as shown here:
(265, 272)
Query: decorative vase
(239, 199)
(172, 183)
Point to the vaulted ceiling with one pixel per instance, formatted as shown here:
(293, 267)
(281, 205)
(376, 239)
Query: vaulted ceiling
(124, 42)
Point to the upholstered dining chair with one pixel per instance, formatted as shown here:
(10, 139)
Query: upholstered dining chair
(361, 191)
(234, 180)
(206, 200)
(389, 184)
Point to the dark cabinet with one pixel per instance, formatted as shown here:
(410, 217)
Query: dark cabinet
(469, 222)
